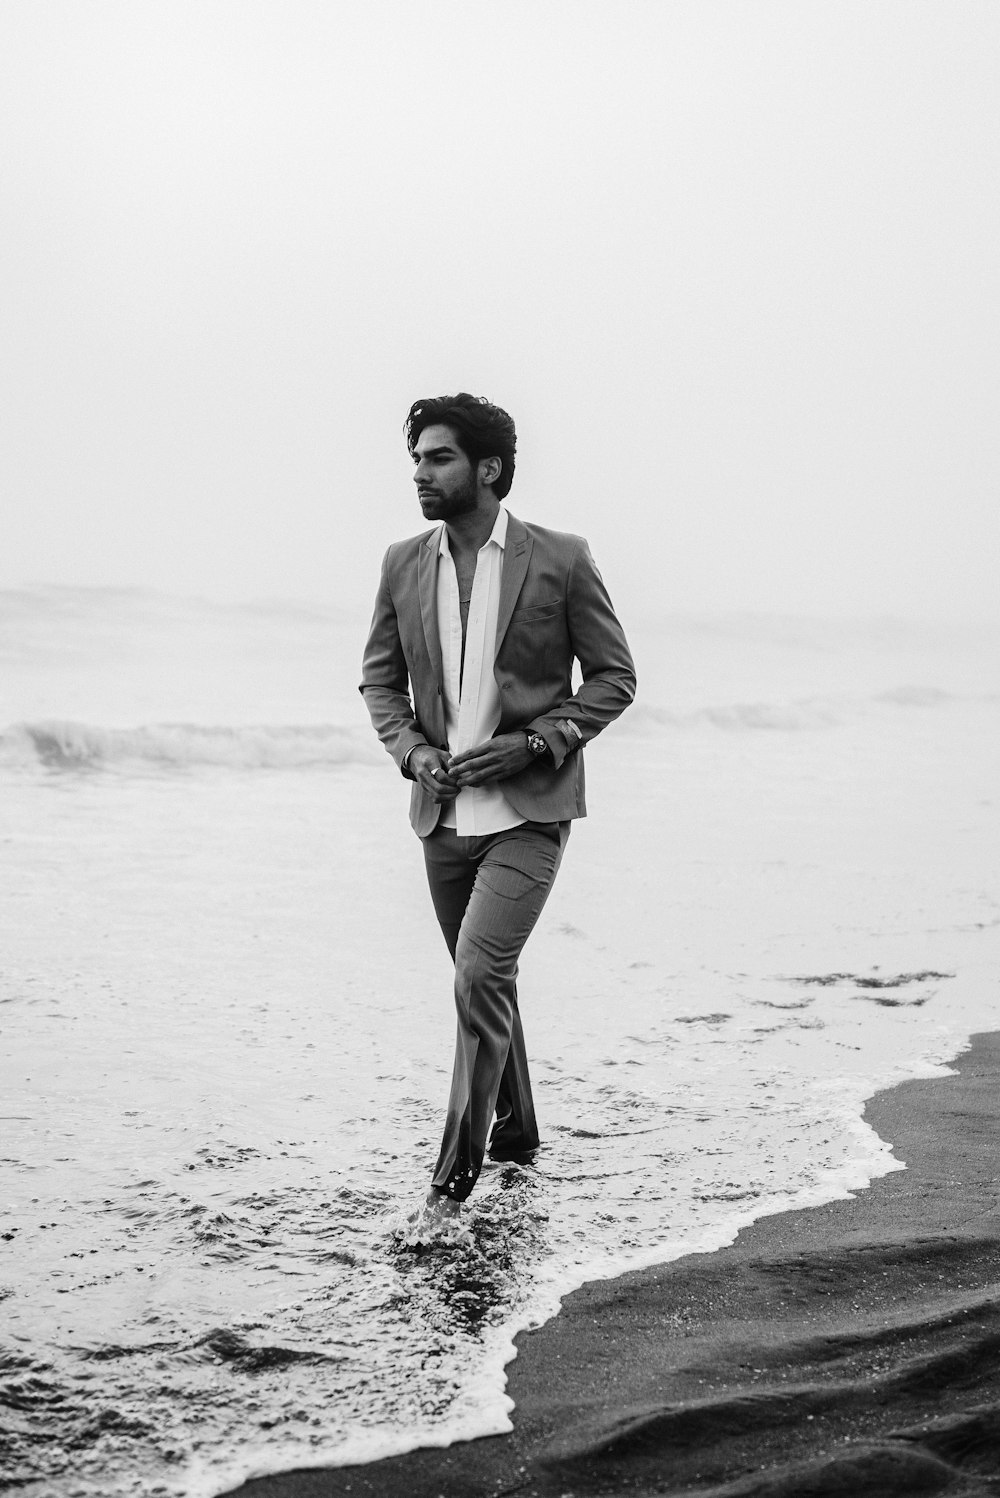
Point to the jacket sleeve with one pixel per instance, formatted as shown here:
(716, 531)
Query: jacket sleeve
(385, 683)
(599, 644)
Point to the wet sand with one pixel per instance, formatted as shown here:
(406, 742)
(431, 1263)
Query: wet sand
(852, 1348)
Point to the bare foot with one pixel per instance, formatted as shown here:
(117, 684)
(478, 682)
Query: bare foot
(438, 1205)
(438, 1223)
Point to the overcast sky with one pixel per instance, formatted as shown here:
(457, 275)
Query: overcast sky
(732, 267)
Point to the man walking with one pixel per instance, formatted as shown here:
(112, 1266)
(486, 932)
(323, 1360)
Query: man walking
(468, 680)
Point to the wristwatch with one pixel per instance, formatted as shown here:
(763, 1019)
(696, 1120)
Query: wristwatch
(536, 744)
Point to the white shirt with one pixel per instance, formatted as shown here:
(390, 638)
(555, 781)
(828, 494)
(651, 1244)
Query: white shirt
(471, 694)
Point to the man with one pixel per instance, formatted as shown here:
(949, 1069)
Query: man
(480, 619)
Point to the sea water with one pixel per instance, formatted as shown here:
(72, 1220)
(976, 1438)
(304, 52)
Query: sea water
(227, 1022)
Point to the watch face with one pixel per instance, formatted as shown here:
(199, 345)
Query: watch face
(536, 743)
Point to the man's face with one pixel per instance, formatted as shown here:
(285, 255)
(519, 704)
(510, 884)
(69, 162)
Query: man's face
(444, 476)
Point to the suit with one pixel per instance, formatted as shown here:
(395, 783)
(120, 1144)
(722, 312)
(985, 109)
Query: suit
(553, 607)
(489, 890)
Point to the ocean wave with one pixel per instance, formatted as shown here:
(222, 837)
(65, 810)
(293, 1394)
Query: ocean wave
(738, 716)
(60, 744)
(794, 715)
(65, 744)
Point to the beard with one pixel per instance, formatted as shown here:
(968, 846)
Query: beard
(461, 501)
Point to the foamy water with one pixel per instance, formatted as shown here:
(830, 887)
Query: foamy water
(227, 1023)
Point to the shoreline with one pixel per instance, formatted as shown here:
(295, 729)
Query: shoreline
(850, 1347)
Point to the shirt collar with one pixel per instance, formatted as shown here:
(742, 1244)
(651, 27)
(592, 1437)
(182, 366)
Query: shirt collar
(497, 534)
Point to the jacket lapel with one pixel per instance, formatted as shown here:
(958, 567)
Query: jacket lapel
(427, 559)
(516, 555)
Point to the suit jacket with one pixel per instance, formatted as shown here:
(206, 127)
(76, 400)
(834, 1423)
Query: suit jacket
(554, 607)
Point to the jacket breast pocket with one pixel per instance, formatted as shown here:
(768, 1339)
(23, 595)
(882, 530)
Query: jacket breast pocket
(538, 613)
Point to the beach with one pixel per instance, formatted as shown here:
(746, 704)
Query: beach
(850, 1348)
(228, 1029)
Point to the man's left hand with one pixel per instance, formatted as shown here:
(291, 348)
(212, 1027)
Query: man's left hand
(497, 759)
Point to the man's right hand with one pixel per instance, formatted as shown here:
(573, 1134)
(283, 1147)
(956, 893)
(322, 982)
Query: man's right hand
(427, 765)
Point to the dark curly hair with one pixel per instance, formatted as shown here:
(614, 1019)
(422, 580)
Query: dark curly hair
(481, 430)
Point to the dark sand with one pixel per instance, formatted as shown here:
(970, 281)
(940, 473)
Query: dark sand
(847, 1349)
